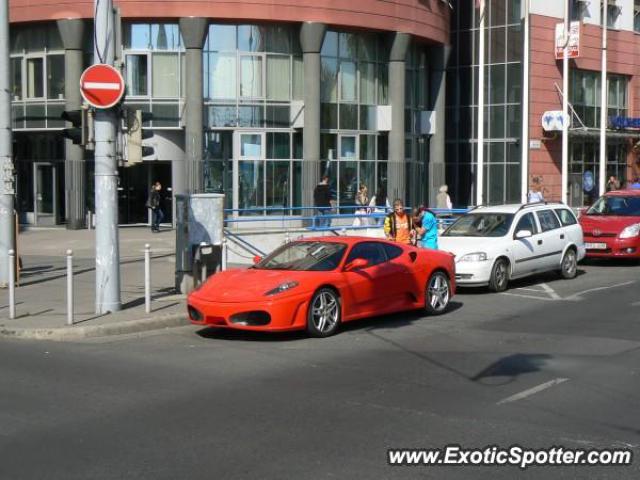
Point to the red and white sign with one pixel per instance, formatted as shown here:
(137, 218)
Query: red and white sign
(573, 46)
(102, 86)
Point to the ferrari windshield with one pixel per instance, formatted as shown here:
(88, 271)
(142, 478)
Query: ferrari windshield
(305, 256)
(616, 205)
(480, 225)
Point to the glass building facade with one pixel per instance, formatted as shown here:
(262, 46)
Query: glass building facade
(502, 102)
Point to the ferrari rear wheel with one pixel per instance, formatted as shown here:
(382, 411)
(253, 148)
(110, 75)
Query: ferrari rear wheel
(324, 313)
(438, 294)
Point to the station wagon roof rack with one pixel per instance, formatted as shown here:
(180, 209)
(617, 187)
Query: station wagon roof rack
(537, 204)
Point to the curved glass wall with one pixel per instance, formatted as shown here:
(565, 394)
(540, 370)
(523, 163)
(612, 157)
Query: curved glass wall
(253, 85)
(354, 81)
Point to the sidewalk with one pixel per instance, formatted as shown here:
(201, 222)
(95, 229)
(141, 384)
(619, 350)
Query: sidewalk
(41, 295)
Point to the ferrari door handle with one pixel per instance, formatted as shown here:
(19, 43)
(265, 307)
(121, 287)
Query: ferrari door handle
(539, 242)
(562, 237)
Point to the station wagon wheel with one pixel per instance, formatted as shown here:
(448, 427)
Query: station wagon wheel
(569, 265)
(324, 313)
(499, 276)
(438, 294)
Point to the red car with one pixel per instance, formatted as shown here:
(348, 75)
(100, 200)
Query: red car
(317, 283)
(611, 226)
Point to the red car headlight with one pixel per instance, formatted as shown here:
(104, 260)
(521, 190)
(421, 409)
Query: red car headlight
(282, 288)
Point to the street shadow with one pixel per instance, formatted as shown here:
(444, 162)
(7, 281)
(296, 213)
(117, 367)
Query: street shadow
(213, 333)
(611, 262)
(508, 369)
(531, 281)
(396, 320)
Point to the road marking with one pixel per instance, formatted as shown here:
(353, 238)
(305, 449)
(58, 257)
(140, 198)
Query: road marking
(550, 291)
(532, 391)
(546, 299)
(530, 289)
(635, 304)
(576, 296)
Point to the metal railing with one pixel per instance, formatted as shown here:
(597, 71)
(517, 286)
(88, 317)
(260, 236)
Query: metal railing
(336, 221)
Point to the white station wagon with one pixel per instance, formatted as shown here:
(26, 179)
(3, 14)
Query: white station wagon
(493, 245)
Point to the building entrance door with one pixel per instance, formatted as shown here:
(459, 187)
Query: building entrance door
(45, 193)
(134, 188)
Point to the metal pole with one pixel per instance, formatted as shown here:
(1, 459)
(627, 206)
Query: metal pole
(524, 186)
(147, 278)
(224, 254)
(12, 284)
(69, 287)
(480, 144)
(7, 225)
(106, 175)
(604, 89)
(203, 267)
(565, 106)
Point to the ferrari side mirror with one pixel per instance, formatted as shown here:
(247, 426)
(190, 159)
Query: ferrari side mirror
(356, 264)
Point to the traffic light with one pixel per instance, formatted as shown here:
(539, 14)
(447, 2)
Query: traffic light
(82, 131)
(135, 134)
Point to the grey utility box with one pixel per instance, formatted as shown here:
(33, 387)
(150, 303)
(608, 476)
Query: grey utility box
(199, 233)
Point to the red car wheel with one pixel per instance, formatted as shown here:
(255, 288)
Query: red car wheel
(438, 294)
(325, 311)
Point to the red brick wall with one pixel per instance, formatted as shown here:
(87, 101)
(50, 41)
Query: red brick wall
(623, 54)
(427, 19)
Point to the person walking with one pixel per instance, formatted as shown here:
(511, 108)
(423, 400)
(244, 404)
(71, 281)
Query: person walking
(362, 202)
(155, 204)
(429, 225)
(398, 226)
(443, 200)
(322, 201)
(535, 193)
(380, 202)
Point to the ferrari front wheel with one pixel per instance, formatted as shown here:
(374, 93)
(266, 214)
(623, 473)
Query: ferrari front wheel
(324, 313)
(438, 293)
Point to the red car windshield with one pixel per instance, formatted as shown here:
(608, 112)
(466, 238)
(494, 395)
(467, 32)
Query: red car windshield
(616, 205)
(305, 256)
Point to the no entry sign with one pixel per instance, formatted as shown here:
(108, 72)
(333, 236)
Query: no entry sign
(101, 86)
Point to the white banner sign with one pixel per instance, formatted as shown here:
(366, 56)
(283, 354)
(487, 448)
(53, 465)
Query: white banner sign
(574, 40)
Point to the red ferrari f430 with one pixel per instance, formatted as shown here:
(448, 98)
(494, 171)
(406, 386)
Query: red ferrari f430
(318, 283)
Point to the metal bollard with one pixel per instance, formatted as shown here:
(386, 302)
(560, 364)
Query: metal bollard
(224, 254)
(89, 220)
(147, 278)
(203, 268)
(69, 287)
(287, 239)
(12, 284)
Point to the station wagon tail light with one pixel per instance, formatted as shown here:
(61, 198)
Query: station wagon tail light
(474, 257)
(282, 288)
(631, 231)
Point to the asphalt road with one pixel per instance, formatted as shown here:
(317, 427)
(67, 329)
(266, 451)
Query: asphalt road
(548, 363)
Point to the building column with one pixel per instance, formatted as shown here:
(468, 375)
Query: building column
(396, 165)
(311, 38)
(72, 33)
(193, 30)
(438, 57)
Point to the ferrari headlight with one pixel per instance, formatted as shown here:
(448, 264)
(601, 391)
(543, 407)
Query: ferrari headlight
(474, 257)
(282, 288)
(631, 231)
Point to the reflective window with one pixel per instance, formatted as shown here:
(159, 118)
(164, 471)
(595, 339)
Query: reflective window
(373, 252)
(548, 220)
(16, 78)
(165, 75)
(137, 75)
(527, 222)
(278, 75)
(566, 217)
(35, 78)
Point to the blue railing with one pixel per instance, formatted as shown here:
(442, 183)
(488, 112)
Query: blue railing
(317, 222)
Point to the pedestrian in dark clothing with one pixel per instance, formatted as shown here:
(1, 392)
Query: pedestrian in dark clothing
(155, 204)
(322, 202)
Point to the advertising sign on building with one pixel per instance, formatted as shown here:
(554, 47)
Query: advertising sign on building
(552, 120)
(574, 40)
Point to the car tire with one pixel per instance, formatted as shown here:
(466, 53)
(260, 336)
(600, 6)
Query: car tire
(499, 276)
(324, 314)
(569, 264)
(437, 294)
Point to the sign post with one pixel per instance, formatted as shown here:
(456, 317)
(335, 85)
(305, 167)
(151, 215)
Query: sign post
(102, 86)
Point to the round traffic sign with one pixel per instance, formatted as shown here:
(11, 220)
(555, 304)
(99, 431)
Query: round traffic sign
(101, 85)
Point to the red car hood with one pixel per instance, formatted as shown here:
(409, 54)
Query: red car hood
(606, 223)
(250, 285)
